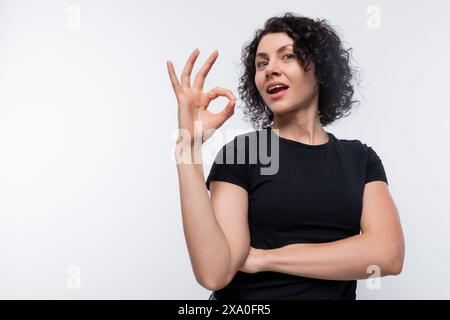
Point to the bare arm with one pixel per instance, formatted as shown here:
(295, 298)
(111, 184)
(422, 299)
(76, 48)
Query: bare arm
(381, 243)
(207, 246)
(216, 229)
(212, 227)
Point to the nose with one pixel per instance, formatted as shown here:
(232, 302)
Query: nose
(272, 69)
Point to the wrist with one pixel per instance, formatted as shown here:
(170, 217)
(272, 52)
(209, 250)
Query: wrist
(187, 152)
(265, 256)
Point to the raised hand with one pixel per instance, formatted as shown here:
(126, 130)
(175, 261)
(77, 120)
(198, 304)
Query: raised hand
(193, 102)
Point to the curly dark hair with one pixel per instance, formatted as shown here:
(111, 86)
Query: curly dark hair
(314, 40)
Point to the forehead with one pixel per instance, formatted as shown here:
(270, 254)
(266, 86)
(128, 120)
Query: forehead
(272, 41)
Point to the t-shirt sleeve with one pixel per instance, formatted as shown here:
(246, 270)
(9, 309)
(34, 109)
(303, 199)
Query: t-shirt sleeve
(375, 169)
(226, 167)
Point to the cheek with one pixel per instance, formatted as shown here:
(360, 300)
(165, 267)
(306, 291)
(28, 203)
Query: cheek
(259, 81)
(303, 80)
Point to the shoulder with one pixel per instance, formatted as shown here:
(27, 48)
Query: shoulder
(349, 143)
(366, 157)
(359, 150)
(355, 145)
(374, 167)
(238, 146)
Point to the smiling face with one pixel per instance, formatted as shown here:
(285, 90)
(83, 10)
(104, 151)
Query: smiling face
(281, 65)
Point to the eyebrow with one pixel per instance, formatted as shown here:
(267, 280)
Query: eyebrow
(278, 50)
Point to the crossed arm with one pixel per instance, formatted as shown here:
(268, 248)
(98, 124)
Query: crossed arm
(380, 244)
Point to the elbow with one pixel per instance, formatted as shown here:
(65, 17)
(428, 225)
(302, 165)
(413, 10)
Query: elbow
(395, 261)
(397, 266)
(213, 278)
(212, 284)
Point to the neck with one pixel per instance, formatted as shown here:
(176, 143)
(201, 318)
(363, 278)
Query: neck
(301, 125)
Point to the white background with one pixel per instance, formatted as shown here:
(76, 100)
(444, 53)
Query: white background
(89, 202)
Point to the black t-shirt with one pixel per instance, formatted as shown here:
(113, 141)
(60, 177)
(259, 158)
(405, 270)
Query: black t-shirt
(306, 194)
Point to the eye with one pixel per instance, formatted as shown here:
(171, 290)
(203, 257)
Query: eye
(259, 64)
(289, 54)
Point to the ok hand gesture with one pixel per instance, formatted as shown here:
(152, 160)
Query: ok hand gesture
(193, 102)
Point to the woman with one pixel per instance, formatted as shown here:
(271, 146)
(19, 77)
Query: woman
(324, 218)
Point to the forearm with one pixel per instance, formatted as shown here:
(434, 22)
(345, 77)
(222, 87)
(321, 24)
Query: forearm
(206, 242)
(346, 259)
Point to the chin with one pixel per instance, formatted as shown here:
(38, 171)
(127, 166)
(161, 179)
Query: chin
(279, 110)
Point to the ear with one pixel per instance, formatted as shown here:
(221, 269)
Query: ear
(317, 86)
(309, 65)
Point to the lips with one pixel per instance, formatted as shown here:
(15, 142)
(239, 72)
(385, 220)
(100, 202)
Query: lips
(278, 94)
(273, 83)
